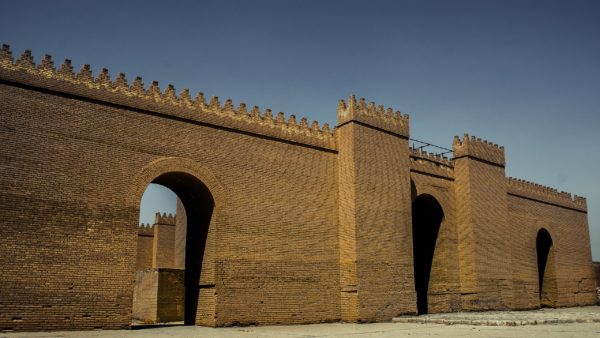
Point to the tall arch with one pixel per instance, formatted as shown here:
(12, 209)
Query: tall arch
(427, 215)
(546, 269)
(202, 197)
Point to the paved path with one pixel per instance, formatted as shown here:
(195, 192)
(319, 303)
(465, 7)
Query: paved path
(394, 329)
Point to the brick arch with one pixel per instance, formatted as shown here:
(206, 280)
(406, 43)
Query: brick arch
(440, 197)
(198, 309)
(155, 168)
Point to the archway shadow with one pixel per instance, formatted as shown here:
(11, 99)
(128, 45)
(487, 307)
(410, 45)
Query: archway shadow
(199, 204)
(546, 272)
(427, 215)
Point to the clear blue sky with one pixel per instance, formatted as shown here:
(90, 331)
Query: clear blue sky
(524, 74)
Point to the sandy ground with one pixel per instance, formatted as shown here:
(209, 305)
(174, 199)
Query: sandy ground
(393, 329)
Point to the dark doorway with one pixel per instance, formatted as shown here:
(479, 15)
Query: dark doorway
(198, 204)
(427, 215)
(543, 244)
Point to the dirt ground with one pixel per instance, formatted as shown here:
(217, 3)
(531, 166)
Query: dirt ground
(571, 322)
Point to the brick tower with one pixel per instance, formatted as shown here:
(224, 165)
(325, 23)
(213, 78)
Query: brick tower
(376, 272)
(483, 230)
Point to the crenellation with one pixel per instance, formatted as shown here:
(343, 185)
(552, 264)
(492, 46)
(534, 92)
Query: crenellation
(185, 99)
(66, 71)
(103, 87)
(421, 154)
(304, 123)
(242, 109)
(314, 127)
(47, 65)
(6, 54)
(26, 60)
(214, 104)
(280, 119)
(254, 115)
(537, 191)
(154, 91)
(228, 106)
(200, 101)
(85, 75)
(268, 116)
(103, 78)
(137, 87)
(477, 148)
(167, 219)
(361, 112)
(146, 230)
(170, 95)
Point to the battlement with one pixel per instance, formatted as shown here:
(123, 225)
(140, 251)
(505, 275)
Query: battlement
(374, 115)
(547, 194)
(164, 219)
(479, 149)
(431, 157)
(146, 230)
(44, 75)
(430, 163)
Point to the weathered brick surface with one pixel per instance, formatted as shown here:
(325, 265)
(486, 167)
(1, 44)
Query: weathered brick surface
(480, 189)
(375, 226)
(305, 225)
(158, 295)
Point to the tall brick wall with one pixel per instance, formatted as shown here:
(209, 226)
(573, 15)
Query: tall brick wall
(531, 208)
(374, 213)
(71, 169)
(294, 223)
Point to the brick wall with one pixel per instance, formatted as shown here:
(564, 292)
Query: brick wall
(298, 224)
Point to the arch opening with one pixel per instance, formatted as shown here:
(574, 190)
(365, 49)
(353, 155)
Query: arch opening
(168, 291)
(427, 215)
(543, 244)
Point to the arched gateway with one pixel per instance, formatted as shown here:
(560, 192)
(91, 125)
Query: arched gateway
(427, 215)
(190, 181)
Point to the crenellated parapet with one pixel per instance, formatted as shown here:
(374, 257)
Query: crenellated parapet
(430, 163)
(164, 219)
(477, 148)
(183, 105)
(546, 194)
(146, 230)
(373, 115)
(430, 157)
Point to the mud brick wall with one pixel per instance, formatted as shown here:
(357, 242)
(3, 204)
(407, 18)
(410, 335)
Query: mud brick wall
(68, 170)
(572, 275)
(301, 224)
